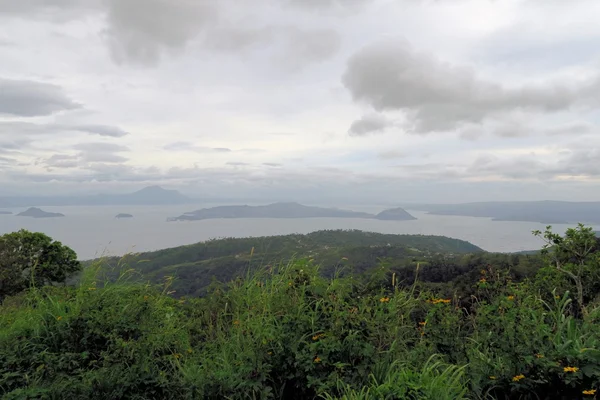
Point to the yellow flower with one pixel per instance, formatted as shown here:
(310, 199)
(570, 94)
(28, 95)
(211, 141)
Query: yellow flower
(589, 392)
(236, 322)
(518, 378)
(92, 288)
(539, 355)
(510, 297)
(345, 258)
(492, 377)
(269, 352)
(289, 283)
(384, 299)
(482, 280)
(317, 336)
(317, 360)
(423, 323)
(570, 369)
(190, 351)
(59, 318)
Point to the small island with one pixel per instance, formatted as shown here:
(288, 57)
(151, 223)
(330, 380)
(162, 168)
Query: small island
(395, 214)
(285, 210)
(123, 215)
(34, 212)
(5, 212)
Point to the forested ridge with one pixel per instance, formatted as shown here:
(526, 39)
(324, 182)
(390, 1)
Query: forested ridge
(419, 324)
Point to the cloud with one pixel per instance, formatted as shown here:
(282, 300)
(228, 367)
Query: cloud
(102, 130)
(101, 152)
(391, 154)
(367, 124)
(25, 98)
(61, 161)
(272, 165)
(54, 9)
(189, 146)
(142, 31)
(437, 96)
(237, 163)
(24, 129)
(306, 46)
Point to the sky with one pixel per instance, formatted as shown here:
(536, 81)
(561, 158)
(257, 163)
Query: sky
(388, 101)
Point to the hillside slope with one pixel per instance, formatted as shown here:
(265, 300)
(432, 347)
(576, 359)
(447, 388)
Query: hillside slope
(196, 266)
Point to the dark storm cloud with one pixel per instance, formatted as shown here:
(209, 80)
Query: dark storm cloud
(372, 123)
(438, 96)
(25, 98)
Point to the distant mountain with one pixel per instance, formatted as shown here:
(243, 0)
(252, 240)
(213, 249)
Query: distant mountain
(5, 213)
(395, 214)
(275, 210)
(152, 195)
(37, 213)
(546, 212)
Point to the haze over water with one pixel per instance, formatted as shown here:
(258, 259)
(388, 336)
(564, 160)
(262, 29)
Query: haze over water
(94, 231)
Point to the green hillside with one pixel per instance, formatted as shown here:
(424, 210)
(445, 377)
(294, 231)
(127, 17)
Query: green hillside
(196, 266)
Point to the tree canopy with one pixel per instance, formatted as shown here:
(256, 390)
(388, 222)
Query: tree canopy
(33, 259)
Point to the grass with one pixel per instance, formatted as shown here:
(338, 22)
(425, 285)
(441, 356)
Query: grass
(289, 333)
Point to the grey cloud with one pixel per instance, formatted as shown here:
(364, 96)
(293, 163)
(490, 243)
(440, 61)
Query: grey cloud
(53, 9)
(25, 98)
(305, 46)
(100, 147)
(237, 163)
(372, 123)
(321, 4)
(101, 152)
(392, 154)
(272, 165)
(61, 161)
(140, 31)
(238, 38)
(437, 96)
(189, 146)
(102, 130)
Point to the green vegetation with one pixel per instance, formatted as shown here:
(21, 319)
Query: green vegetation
(498, 331)
(33, 259)
(196, 266)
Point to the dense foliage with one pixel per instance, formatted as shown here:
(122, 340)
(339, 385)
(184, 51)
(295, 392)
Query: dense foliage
(291, 333)
(196, 266)
(33, 259)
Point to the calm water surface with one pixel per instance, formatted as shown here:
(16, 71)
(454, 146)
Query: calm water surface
(94, 231)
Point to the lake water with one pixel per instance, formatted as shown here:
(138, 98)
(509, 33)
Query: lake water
(93, 231)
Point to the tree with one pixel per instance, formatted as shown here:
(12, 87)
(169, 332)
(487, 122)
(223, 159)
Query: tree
(576, 255)
(33, 259)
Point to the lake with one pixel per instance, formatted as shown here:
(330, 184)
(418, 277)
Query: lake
(94, 231)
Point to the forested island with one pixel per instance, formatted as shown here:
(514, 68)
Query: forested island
(545, 212)
(34, 212)
(285, 210)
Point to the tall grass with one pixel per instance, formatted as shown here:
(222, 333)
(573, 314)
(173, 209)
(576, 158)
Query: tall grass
(288, 333)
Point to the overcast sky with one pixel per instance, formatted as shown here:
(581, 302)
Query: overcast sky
(373, 100)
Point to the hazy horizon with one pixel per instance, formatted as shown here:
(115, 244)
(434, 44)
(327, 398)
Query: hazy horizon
(410, 101)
